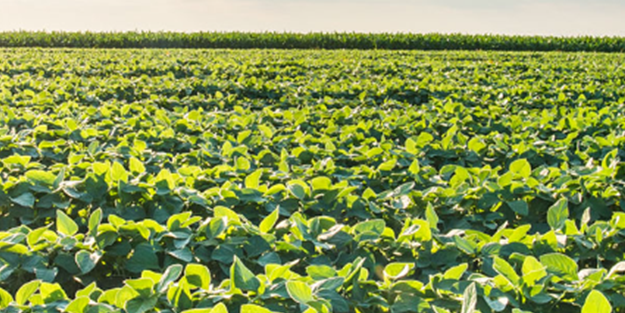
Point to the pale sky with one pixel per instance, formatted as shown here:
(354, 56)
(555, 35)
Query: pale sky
(525, 17)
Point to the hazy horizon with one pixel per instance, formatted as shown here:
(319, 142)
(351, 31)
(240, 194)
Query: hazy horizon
(521, 17)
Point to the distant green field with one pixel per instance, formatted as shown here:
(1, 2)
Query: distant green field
(276, 40)
(203, 181)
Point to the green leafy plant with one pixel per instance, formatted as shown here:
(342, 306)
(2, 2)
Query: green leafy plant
(341, 181)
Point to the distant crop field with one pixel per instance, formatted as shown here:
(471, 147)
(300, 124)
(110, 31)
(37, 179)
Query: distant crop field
(329, 41)
(202, 181)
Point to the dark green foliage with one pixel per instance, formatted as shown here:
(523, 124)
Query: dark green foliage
(275, 40)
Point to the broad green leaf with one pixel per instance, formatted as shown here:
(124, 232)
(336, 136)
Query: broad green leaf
(369, 194)
(298, 188)
(456, 272)
(321, 183)
(118, 172)
(275, 189)
(417, 229)
(243, 164)
(110, 296)
(519, 233)
(403, 189)
(65, 224)
(52, 292)
(14, 248)
(299, 291)
(181, 220)
(231, 216)
(596, 302)
(431, 216)
(198, 276)
(220, 308)
(469, 299)
(411, 146)
(618, 220)
(46, 275)
(388, 165)
(26, 199)
(397, 270)
(183, 254)
(171, 274)
(375, 226)
(100, 168)
(610, 160)
(41, 177)
(87, 261)
(560, 264)
(87, 291)
(136, 167)
(59, 178)
(414, 167)
(372, 153)
(141, 304)
(424, 138)
(320, 272)
(241, 136)
(216, 227)
(5, 299)
(465, 245)
(557, 214)
(180, 295)
(532, 270)
(94, 221)
(521, 167)
(27, 290)
(520, 207)
(78, 305)
(267, 131)
(242, 278)
(504, 268)
(142, 258)
(498, 304)
(407, 303)
(252, 180)
(269, 221)
(475, 144)
(35, 235)
(154, 276)
(22, 160)
(252, 308)
(143, 286)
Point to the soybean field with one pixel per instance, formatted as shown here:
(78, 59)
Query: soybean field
(216, 181)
